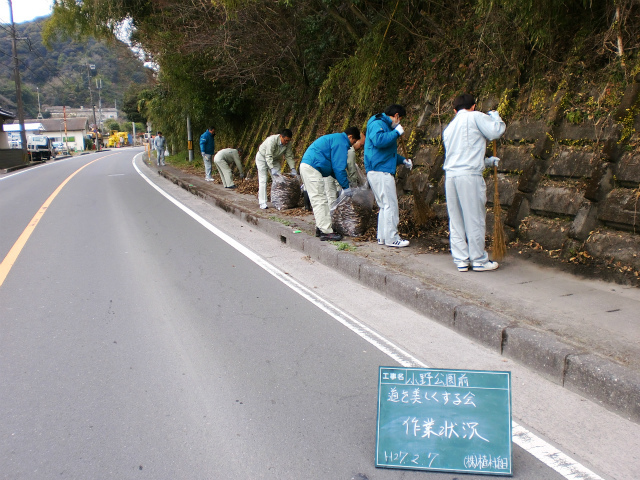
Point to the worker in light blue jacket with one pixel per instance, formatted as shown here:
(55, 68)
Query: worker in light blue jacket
(327, 157)
(381, 160)
(465, 145)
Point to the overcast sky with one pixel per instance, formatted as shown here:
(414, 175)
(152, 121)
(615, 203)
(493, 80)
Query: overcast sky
(24, 10)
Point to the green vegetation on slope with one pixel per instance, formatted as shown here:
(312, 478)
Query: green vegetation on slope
(237, 63)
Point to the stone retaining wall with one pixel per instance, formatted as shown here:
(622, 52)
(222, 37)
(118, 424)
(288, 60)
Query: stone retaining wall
(558, 182)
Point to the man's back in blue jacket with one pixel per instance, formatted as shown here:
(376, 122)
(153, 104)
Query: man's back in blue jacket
(381, 146)
(207, 143)
(328, 154)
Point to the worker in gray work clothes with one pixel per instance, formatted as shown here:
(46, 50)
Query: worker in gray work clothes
(269, 159)
(465, 145)
(223, 161)
(160, 145)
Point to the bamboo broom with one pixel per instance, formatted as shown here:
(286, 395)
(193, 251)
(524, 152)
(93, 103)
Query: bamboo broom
(499, 244)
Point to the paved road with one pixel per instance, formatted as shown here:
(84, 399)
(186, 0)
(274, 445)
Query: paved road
(135, 343)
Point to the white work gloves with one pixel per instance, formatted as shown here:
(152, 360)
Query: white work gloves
(347, 192)
(495, 115)
(408, 163)
(294, 171)
(491, 161)
(275, 172)
(399, 129)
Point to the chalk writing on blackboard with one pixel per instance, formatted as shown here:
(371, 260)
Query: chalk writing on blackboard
(447, 420)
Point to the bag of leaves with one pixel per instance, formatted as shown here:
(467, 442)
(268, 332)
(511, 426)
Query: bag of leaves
(351, 216)
(285, 191)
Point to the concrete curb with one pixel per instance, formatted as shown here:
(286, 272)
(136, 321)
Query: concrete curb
(601, 380)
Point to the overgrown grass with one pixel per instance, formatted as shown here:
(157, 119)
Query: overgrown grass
(280, 220)
(344, 246)
(181, 161)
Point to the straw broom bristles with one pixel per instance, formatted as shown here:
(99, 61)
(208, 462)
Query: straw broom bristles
(499, 244)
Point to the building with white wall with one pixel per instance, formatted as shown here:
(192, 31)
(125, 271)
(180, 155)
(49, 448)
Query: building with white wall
(77, 129)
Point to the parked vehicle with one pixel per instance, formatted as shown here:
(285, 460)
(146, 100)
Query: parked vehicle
(60, 148)
(40, 147)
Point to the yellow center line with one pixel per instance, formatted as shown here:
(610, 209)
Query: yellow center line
(12, 256)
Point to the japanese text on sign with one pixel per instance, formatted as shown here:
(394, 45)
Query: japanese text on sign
(447, 420)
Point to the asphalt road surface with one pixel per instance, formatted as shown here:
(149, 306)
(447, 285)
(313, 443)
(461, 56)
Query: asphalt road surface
(135, 343)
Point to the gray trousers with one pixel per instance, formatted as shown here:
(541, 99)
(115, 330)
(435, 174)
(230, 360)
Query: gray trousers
(315, 185)
(466, 199)
(263, 173)
(160, 155)
(331, 189)
(225, 171)
(383, 186)
(207, 165)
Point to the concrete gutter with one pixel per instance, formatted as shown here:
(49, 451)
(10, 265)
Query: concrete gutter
(603, 381)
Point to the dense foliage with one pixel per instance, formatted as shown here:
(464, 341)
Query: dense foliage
(61, 72)
(227, 61)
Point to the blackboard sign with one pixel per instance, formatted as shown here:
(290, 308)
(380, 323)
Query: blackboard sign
(444, 420)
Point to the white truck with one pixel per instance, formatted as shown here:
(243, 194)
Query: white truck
(40, 147)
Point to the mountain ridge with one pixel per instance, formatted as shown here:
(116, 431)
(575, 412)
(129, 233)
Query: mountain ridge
(62, 74)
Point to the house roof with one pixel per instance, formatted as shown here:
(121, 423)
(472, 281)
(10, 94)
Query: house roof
(54, 124)
(5, 114)
(28, 127)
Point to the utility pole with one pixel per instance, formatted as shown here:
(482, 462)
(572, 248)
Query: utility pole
(89, 68)
(23, 135)
(95, 122)
(96, 130)
(66, 134)
(99, 87)
(189, 139)
(39, 111)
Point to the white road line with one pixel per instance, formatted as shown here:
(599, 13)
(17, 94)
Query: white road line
(543, 451)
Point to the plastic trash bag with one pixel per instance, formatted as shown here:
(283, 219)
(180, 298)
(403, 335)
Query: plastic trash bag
(285, 191)
(351, 216)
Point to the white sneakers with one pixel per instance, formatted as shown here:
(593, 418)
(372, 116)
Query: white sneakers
(209, 179)
(263, 206)
(484, 267)
(399, 243)
(478, 267)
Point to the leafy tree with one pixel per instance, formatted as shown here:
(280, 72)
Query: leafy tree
(112, 125)
(227, 61)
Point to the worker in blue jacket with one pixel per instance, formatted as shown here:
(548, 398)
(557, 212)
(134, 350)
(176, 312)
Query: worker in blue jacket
(381, 160)
(327, 156)
(208, 148)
